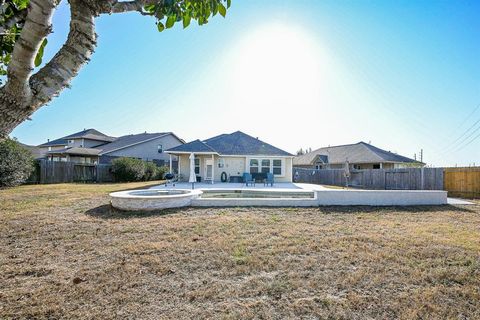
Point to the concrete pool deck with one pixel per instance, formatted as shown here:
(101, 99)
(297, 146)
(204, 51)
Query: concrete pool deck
(323, 196)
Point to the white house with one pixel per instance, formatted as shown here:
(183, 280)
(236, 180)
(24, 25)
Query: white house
(227, 156)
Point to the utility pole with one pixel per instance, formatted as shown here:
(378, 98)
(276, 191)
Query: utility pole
(415, 156)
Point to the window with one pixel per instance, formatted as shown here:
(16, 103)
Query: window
(356, 166)
(376, 166)
(71, 141)
(221, 163)
(277, 167)
(253, 165)
(265, 166)
(197, 165)
(160, 148)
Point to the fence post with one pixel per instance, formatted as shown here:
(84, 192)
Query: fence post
(422, 178)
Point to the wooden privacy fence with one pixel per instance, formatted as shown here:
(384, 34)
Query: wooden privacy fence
(377, 179)
(63, 172)
(463, 182)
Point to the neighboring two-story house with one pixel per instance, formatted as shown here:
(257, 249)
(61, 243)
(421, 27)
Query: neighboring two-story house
(146, 146)
(93, 146)
(77, 147)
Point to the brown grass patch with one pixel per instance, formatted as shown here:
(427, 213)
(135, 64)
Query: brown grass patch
(66, 254)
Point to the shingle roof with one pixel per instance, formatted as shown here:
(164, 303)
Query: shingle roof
(194, 146)
(76, 151)
(355, 153)
(91, 134)
(236, 143)
(36, 152)
(128, 140)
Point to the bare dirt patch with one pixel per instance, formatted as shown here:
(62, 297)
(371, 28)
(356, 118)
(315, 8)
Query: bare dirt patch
(65, 253)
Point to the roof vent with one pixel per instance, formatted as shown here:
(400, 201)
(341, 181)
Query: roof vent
(48, 140)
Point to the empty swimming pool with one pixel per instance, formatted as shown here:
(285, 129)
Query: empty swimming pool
(255, 194)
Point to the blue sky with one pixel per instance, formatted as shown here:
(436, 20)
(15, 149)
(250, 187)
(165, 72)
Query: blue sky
(403, 75)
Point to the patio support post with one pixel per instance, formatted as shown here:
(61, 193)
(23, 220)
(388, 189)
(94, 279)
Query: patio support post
(213, 167)
(170, 156)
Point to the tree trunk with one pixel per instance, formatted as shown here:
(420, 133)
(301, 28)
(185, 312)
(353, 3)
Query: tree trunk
(24, 94)
(12, 113)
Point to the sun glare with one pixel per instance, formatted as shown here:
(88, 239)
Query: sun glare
(278, 66)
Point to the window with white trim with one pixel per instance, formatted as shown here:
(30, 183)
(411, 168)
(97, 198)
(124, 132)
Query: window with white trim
(160, 148)
(274, 166)
(277, 167)
(197, 165)
(265, 166)
(253, 165)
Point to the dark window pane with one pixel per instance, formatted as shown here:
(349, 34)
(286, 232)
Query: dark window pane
(253, 162)
(253, 169)
(265, 163)
(265, 170)
(277, 170)
(277, 163)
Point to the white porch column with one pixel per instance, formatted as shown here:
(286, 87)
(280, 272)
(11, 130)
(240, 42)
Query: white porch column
(213, 167)
(178, 170)
(381, 165)
(170, 155)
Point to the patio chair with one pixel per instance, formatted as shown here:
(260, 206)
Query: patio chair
(247, 178)
(269, 180)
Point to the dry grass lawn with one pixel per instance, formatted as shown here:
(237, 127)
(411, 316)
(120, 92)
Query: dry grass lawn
(64, 253)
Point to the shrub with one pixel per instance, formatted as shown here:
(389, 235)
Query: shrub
(151, 171)
(16, 163)
(161, 171)
(128, 169)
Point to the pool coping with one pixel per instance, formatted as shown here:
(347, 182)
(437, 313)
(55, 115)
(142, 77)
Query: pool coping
(321, 197)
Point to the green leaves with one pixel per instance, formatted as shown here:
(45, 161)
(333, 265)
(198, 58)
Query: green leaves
(170, 22)
(39, 56)
(222, 10)
(169, 12)
(186, 20)
(160, 26)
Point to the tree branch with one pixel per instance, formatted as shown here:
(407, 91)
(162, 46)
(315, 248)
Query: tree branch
(37, 26)
(129, 6)
(64, 66)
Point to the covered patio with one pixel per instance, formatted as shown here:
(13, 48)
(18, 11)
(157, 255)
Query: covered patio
(257, 186)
